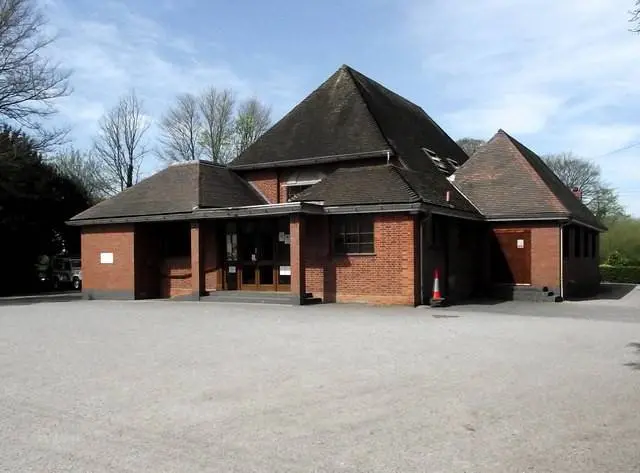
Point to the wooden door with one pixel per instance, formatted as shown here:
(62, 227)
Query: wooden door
(511, 257)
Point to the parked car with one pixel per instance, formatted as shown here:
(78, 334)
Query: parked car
(66, 272)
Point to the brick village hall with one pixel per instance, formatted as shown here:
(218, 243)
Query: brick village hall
(356, 195)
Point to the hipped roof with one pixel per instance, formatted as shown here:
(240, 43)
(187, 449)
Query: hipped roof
(179, 188)
(351, 115)
(505, 179)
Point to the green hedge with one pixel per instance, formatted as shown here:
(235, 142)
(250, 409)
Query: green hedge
(625, 274)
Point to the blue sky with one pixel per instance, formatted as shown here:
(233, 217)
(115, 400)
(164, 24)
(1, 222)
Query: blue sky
(558, 75)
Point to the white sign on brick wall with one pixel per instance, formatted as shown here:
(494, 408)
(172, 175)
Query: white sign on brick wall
(106, 258)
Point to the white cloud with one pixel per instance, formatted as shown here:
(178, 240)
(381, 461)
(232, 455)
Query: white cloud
(113, 50)
(560, 75)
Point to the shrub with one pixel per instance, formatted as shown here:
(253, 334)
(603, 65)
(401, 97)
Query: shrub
(623, 274)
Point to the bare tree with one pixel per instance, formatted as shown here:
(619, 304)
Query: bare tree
(252, 120)
(29, 82)
(635, 17)
(120, 142)
(470, 145)
(181, 130)
(85, 169)
(217, 112)
(580, 173)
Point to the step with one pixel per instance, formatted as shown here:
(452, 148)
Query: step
(249, 297)
(523, 293)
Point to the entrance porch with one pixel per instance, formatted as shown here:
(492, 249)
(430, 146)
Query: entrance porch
(209, 259)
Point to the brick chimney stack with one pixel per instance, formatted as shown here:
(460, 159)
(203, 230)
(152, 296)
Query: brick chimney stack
(577, 192)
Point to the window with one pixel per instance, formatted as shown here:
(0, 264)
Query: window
(577, 242)
(594, 244)
(294, 190)
(353, 234)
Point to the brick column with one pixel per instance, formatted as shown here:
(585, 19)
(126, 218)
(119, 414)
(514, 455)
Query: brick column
(212, 263)
(296, 232)
(197, 261)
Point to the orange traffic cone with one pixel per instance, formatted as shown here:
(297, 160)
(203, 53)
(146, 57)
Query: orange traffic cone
(436, 297)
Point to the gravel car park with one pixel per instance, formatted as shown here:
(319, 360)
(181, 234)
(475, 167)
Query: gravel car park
(167, 387)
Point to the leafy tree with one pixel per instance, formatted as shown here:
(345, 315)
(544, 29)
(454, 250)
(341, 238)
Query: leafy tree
(621, 244)
(470, 145)
(252, 120)
(580, 173)
(35, 202)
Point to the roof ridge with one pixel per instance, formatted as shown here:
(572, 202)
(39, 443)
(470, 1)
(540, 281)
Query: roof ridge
(397, 170)
(550, 173)
(349, 70)
(513, 143)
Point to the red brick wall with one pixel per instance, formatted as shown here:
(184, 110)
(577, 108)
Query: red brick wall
(266, 182)
(298, 274)
(176, 277)
(197, 261)
(387, 277)
(116, 277)
(270, 182)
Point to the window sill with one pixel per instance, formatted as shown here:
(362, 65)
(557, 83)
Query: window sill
(342, 255)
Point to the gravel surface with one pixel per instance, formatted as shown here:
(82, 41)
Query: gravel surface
(189, 387)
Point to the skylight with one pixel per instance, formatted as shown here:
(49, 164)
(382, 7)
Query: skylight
(447, 167)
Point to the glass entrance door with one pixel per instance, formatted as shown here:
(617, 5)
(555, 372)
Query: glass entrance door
(257, 243)
(257, 255)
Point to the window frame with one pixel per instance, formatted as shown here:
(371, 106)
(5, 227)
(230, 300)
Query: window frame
(353, 227)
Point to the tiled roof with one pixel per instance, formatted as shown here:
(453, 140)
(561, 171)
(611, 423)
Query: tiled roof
(350, 114)
(359, 186)
(505, 179)
(387, 184)
(177, 189)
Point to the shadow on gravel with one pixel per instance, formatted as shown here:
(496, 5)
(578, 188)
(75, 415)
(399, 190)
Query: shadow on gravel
(608, 292)
(29, 300)
(634, 365)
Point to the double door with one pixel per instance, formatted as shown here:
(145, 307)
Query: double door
(257, 255)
